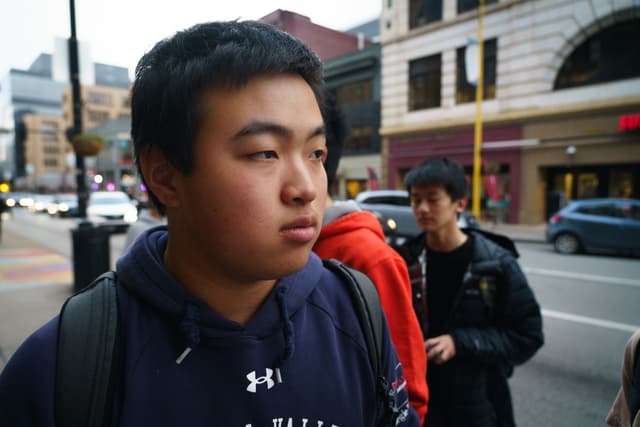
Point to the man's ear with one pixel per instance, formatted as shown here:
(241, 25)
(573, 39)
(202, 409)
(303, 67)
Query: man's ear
(462, 204)
(160, 176)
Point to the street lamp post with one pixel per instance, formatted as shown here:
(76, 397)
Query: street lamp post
(74, 76)
(91, 253)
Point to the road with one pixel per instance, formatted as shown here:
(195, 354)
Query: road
(590, 307)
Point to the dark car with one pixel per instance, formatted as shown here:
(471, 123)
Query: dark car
(596, 225)
(392, 207)
(64, 205)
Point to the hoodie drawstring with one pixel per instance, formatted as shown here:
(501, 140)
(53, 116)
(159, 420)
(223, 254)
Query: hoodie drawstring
(190, 329)
(289, 335)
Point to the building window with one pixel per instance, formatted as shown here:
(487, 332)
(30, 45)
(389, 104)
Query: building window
(422, 12)
(99, 98)
(389, 4)
(604, 57)
(49, 131)
(355, 93)
(467, 5)
(51, 150)
(50, 163)
(466, 92)
(97, 116)
(360, 140)
(424, 82)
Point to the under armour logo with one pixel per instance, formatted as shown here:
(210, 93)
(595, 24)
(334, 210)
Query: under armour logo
(251, 376)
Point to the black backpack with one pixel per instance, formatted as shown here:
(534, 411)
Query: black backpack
(88, 363)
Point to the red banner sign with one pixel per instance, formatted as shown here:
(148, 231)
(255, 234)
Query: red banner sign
(629, 122)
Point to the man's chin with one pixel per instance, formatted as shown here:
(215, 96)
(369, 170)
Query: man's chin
(292, 264)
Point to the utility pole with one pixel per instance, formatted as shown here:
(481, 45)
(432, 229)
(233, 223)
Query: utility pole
(477, 143)
(74, 76)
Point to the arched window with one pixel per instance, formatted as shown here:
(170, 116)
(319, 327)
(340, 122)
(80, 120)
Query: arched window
(609, 55)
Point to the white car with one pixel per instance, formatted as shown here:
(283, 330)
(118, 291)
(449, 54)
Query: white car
(111, 205)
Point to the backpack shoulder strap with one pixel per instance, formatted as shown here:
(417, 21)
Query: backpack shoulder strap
(370, 314)
(87, 335)
(367, 304)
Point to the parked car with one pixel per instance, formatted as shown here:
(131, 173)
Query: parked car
(392, 207)
(113, 208)
(64, 205)
(596, 225)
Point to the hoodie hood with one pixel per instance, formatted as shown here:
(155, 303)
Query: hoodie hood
(346, 217)
(339, 209)
(142, 272)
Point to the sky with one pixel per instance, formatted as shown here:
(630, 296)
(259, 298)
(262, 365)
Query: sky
(119, 32)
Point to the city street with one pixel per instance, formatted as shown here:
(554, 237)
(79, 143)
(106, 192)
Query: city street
(590, 308)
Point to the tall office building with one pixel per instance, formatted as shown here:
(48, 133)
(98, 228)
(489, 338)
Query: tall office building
(35, 105)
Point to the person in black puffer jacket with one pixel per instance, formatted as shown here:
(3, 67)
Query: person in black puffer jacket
(478, 314)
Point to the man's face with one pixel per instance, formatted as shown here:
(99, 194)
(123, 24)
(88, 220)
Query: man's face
(252, 208)
(434, 209)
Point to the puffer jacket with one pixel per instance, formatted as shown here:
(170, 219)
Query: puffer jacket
(495, 323)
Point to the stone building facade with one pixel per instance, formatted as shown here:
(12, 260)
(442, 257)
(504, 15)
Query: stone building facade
(562, 93)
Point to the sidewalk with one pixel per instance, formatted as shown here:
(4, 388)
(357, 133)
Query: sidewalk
(518, 232)
(34, 283)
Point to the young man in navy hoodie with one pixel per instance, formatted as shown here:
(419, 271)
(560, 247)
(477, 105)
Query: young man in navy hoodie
(227, 319)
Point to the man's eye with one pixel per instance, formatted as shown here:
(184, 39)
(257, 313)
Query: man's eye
(319, 154)
(265, 155)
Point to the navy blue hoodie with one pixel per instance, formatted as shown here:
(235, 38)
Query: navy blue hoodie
(301, 360)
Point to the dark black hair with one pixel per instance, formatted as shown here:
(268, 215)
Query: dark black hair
(167, 99)
(443, 171)
(336, 132)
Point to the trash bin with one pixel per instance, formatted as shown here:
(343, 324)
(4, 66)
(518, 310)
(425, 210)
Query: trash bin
(91, 253)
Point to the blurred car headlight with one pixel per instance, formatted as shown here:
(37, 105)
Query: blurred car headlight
(391, 223)
(63, 207)
(10, 202)
(25, 202)
(131, 215)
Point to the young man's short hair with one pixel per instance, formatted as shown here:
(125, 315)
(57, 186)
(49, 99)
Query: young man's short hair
(171, 80)
(442, 171)
(336, 132)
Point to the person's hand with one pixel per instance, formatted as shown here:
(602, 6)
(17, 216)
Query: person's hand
(440, 349)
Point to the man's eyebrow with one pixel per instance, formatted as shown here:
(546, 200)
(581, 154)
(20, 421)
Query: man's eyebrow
(260, 127)
(319, 131)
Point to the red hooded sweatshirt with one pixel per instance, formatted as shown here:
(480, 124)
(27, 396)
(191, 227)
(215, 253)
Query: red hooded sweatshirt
(355, 238)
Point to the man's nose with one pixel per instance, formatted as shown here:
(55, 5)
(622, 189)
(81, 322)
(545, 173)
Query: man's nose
(300, 186)
(423, 206)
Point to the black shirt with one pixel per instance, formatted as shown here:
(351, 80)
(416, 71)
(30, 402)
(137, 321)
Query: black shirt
(445, 271)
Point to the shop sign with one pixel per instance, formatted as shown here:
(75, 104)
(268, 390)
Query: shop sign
(629, 122)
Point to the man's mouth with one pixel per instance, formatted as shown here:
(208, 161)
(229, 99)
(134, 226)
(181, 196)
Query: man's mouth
(302, 230)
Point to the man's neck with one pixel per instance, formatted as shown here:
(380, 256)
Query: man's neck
(446, 240)
(236, 301)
